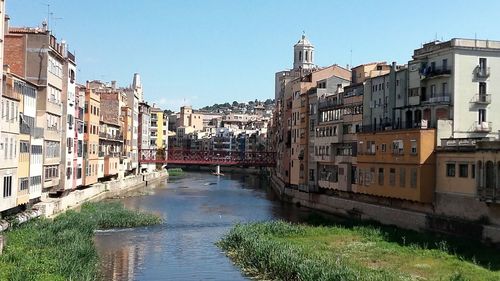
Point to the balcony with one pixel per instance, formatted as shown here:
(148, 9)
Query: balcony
(434, 72)
(444, 99)
(8, 92)
(482, 127)
(329, 104)
(481, 99)
(482, 72)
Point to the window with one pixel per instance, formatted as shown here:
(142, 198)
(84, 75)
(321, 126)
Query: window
(53, 122)
(311, 174)
(413, 147)
(392, 177)
(380, 176)
(433, 90)
(413, 179)
(402, 177)
(445, 64)
(481, 115)
(450, 169)
(397, 147)
(52, 149)
(23, 184)
(473, 171)
(482, 63)
(463, 170)
(7, 186)
(24, 147)
(36, 180)
(51, 172)
(482, 88)
(384, 147)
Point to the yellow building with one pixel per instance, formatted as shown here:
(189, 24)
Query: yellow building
(397, 164)
(468, 179)
(159, 128)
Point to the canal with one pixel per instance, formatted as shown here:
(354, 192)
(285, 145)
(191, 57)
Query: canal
(198, 209)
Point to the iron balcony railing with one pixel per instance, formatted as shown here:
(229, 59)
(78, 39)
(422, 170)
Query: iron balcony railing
(482, 99)
(482, 126)
(482, 72)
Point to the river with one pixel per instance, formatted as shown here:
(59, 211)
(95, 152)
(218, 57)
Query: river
(198, 209)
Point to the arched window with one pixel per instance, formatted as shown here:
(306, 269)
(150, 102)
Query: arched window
(307, 56)
(300, 55)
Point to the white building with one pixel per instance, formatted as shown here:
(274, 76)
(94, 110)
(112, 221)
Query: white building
(451, 85)
(68, 99)
(134, 96)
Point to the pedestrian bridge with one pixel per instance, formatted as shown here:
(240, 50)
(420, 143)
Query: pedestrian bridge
(213, 157)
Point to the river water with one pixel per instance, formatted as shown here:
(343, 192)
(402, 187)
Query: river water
(198, 209)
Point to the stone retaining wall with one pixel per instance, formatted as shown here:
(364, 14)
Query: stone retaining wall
(351, 208)
(51, 207)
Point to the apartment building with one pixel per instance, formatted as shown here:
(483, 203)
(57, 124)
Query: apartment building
(68, 121)
(134, 96)
(301, 88)
(467, 179)
(127, 131)
(30, 166)
(158, 128)
(111, 137)
(451, 86)
(397, 164)
(12, 193)
(78, 164)
(324, 119)
(145, 133)
(44, 69)
(91, 136)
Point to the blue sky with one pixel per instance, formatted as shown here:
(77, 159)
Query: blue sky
(200, 52)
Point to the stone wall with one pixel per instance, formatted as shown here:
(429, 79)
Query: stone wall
(51, 207)
(420, 221)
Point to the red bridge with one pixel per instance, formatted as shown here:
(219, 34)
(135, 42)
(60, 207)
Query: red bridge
(194, 157)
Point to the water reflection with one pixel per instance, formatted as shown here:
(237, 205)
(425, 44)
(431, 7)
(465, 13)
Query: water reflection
(198, 209)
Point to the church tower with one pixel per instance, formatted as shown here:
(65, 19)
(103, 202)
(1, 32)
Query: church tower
(303, 54)
(137, 87)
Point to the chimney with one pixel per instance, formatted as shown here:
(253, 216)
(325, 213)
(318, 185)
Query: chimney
(394, 65)
(113, 85)
(6, 24)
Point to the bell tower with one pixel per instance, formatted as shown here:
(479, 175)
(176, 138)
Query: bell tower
(303, 54)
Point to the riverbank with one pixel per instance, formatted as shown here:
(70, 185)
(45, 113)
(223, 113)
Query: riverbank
(387, 215)
(51, 207)
(63, 248)
(284, 251)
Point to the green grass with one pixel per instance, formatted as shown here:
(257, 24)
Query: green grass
(63, 248)
(173, 172)
(284, 251)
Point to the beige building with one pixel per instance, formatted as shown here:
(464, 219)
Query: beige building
(188, 118)
(468, 179)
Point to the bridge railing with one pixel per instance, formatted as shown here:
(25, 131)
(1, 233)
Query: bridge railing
(213, 157)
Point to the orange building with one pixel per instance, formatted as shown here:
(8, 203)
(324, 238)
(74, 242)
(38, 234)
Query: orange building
(397, 164)
(91, 136)
(300, 89)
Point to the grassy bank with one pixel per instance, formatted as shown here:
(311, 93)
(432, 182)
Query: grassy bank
(283, 251)
(63, 248)
(173, 172)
